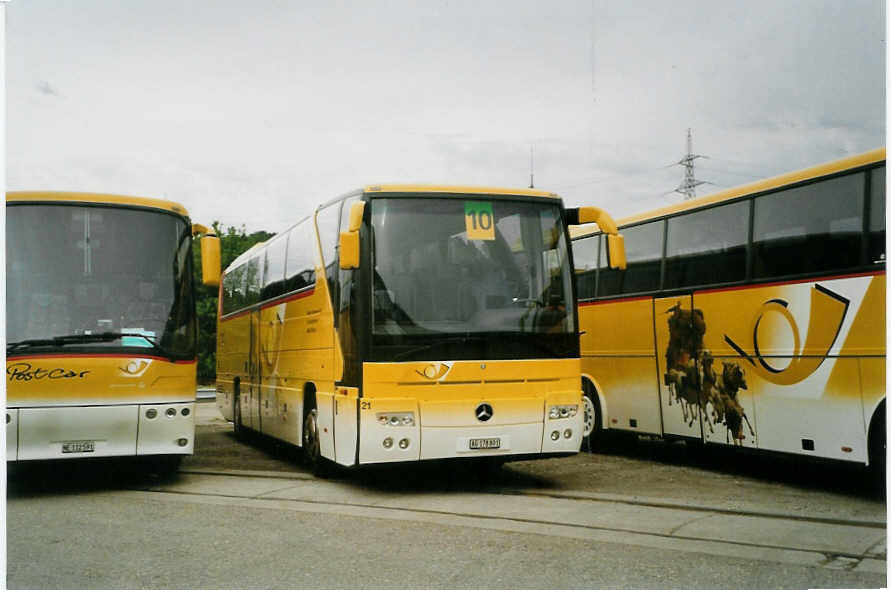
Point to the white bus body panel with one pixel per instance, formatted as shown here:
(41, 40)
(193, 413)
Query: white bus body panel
(160, 435)
(43, 431)
(12, 434)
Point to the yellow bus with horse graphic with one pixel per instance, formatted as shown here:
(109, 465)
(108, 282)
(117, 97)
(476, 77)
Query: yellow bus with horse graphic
(753, 317)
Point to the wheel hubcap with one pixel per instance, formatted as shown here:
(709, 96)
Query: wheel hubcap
(589, 416)
(310, 434)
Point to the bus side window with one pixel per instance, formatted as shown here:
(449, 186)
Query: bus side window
(345, 277)
(328, 220)
(300, 265)
(584, 255)
(274, 269)
(643, 250)
(807, 229)
(233, 290)
(253, 281)
(877, 216)
(708, 246)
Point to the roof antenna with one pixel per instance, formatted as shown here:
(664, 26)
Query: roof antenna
(531, 167)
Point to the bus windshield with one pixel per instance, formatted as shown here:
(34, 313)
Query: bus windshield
(96, 277)
(447, 266)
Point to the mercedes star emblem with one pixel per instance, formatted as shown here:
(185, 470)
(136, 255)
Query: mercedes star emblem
(483, 412)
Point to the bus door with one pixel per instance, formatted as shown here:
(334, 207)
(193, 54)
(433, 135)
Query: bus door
(254, 377)
(679, 358)
(728, 377)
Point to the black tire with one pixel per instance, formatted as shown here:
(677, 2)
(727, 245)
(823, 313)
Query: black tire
(236, 415)
(165, 467)
(877, 451)
(592, 419)
(312, 448)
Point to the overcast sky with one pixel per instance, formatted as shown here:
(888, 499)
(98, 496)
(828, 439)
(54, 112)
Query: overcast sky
(253, 112)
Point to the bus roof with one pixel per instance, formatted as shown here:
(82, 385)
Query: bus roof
(76, 197)
(871, 157)
(457, 189)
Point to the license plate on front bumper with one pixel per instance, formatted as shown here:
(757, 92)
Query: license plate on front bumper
(79, 446)
(484, 443)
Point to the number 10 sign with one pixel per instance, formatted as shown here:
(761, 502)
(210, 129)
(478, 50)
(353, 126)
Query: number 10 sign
(479, 220)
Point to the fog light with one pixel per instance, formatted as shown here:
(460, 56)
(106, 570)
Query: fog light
(555, 435)
(567, 433)
(388, 443)
(151, 413)
(403, 444)
(171, 412)
(182, 441)
(186, 412)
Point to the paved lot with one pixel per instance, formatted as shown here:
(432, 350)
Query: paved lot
(246, 513)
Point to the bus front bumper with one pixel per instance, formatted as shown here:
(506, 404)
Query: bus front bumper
(71, 432)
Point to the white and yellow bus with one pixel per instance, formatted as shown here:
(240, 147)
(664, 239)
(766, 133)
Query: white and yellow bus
(753, 317)
(100, 326)
(405, 323)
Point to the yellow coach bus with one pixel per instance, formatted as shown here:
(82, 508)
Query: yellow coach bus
(753, 317)
(100, 326)
(405, 323)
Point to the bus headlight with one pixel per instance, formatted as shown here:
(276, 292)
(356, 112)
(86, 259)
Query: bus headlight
(151, 413)
(396, 419)
(558, 412)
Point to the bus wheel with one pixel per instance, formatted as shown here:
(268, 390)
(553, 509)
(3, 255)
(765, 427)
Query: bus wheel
(312, 450)
(592, 418)
(236, 415)
(165, 466)
(877, 450)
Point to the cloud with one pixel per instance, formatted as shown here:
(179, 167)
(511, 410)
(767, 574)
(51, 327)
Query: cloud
(44, 87)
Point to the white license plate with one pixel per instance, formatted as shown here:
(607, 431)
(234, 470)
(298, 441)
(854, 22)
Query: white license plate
(484, 443)
(79, 446)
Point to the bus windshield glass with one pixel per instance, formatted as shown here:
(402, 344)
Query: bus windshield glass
(96, 277)
(461, 266)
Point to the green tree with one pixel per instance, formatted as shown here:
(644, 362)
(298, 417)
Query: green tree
(233, 242)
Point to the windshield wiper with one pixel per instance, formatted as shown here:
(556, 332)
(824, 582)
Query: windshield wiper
(452, 340)
(83, 339)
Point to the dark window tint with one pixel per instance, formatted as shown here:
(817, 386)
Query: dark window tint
(877, 216)
(274, 269)
(643, 251)
(708, 246)
(812, 228)
(300, 268)
(584, 256)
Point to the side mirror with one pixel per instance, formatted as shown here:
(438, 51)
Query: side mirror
(616, 250)
(349, 240)
(615, 241)
(210, 260)
(349, 249)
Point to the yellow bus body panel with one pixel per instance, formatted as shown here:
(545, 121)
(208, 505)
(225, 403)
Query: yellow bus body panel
(94, 198)
(79, 380)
